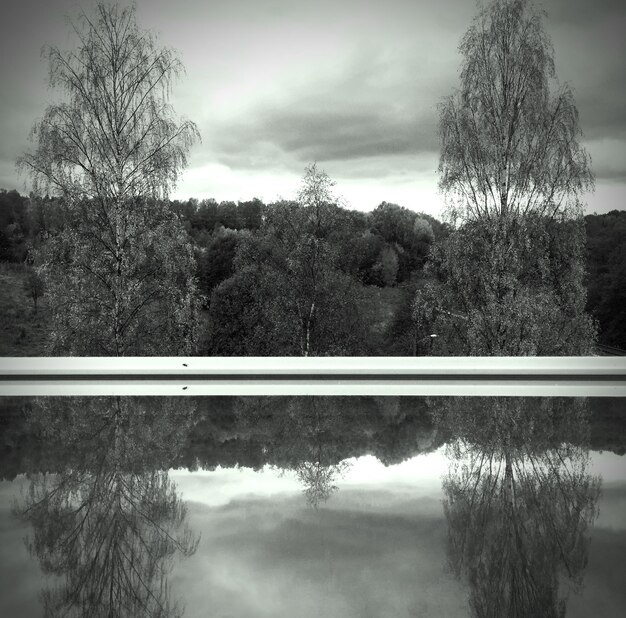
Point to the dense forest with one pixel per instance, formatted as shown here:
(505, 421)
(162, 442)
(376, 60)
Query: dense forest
(372, 265)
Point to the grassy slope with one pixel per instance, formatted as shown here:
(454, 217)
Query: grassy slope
(22, 332)
(381, 308)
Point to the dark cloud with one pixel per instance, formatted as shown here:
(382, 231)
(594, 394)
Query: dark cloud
(583, 13)
(379, 104)
(600, 103)
(344, 84)
(328, 135)
(590, 47)
(608, 160)
(609, 173)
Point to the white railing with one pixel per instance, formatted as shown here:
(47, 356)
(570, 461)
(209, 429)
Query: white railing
(595, 376)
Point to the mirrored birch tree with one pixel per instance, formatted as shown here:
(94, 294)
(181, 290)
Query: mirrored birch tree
(108, 525)
(519, 502)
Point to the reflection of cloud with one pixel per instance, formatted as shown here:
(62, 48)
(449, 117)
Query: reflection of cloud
(19, 575)
(612, 514)
(373, 553)
(277, 558)
(604, 593)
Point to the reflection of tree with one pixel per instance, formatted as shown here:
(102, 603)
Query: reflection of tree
(319, 480)
(317, 465)
(109, 527)
(519, 503)
(305, 434)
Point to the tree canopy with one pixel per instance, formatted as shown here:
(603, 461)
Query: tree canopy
(121, 269)
(114, 137)
(509, 279)
(510, 138)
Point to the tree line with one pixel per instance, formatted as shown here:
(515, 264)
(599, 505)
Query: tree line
(128, 272)
(387, 251)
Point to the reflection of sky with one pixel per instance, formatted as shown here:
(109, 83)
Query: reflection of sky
(216, 488)
(19, 574)
(376, 548)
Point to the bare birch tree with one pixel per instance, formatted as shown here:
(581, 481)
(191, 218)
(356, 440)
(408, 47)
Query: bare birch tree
(112, 148)
(509, 279)
(510, 134)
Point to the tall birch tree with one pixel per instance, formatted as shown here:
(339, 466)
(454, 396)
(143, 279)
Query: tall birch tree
(510, 136)
(508, 280)
(112, 148)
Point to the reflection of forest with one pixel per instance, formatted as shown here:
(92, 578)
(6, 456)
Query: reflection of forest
(107, 525)
(518, 498)
(230, 431)
(106, 520)
(249, 432)
(306, 440)
(519, 502)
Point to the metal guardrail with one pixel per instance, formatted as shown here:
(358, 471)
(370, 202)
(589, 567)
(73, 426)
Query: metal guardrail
(437, 376)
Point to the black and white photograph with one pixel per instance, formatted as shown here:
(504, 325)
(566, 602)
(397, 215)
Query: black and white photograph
(313, 308)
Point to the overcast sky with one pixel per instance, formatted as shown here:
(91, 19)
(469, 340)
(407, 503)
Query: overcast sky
(354, 85)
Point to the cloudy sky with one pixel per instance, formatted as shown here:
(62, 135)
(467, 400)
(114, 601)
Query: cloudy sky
(354, 85)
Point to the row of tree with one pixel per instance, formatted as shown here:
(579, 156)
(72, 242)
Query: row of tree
(505, 276)
(387, 247)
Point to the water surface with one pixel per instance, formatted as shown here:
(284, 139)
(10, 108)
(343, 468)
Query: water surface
(312, 506)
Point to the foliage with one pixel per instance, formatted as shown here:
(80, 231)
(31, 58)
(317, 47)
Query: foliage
(510, 140)
(356, 249)
(22, 331)
(120, 270)
(606, 275)
(407, 233)
(510, 277)
(386, 268)
(215, 262)
(528, 301)
(15, 226)
(288, 295)
(138, 301)
(115, 136)
(34, 286)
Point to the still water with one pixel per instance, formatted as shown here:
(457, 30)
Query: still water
(312, 506)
